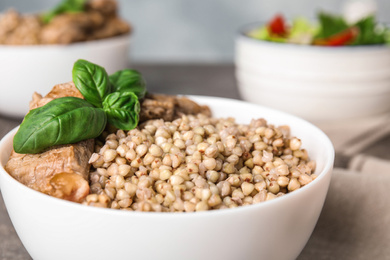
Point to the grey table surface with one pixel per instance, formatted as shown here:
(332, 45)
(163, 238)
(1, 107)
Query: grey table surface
(200, 79)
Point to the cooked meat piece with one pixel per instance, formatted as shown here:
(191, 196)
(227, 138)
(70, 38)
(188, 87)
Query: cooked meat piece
(112, 27)
(61, 35)
(99, 20)
(16, 29)
(185, 106)
(105, 7)
(69, 186)
(85, 20)
(62, 171)
(70, 27)
(156, 106)
(41, 171)
(75, 27)
(61, 90)
(27, 33)
(8, 22)
(64, 90)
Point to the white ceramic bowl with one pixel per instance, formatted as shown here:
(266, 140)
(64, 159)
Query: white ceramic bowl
(314, 82)
(51, 228)
(25, 69)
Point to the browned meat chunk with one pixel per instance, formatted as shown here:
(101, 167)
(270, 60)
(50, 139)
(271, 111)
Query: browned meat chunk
(185, 106)
(112, 27)
(8, 22)
(60, 90)
(62, 171)
(169, 107)
(155, 106)
(71, 27)
(106, 7)
(98, 21)
(16, 29)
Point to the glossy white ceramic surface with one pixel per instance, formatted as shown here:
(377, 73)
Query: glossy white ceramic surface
(314, 82)
(29, 69)
(278, 229)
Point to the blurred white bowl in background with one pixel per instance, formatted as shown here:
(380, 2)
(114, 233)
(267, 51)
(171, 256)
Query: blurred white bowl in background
(314, 82)
(27, 69)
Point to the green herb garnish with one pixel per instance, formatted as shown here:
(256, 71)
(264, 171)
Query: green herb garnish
(113, 99)
(92, 81)
(61, 121)
(128, 81)
(66, 6)
(122, 109)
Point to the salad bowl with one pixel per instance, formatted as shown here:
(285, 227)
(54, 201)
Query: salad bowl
(319, 83)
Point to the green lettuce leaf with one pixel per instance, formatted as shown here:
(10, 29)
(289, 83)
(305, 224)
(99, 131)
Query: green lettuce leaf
(330, 25)
(370, 32)
(302, 31)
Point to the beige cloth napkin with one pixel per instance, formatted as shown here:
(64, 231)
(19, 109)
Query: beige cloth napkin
(369, 164)
(351, 137)
(355, 221)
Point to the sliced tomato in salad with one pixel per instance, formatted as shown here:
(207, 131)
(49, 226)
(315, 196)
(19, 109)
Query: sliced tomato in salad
(339, 39)
(278, 26)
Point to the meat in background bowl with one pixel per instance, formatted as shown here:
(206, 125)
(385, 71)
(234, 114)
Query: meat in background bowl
(35, 55)
(58, 229)
(318, 83)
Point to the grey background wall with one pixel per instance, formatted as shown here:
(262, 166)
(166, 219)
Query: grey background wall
(197, 30)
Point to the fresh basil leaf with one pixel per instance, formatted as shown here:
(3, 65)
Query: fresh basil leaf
(330, 25)
(128, 81)
(122, 110)
(92, 81)
(61, 121)
(66, 6)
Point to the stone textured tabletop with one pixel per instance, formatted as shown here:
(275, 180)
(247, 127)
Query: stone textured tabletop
(202, 79)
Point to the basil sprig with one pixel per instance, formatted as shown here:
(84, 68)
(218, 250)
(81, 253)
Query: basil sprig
(113, 99)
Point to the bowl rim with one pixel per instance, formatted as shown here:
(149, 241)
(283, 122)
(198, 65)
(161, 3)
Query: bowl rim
(327, 170)
(242, 34)
(117, 38)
